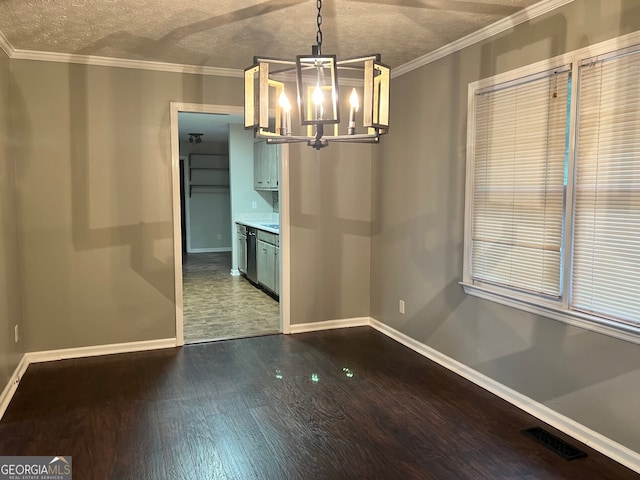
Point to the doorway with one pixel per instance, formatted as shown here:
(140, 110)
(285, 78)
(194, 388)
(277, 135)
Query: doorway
(223, 262)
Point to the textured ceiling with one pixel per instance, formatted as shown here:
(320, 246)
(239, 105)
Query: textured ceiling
(228, 33)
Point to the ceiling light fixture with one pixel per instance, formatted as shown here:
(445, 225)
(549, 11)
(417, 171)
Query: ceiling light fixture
(269, 82)
(195, 137)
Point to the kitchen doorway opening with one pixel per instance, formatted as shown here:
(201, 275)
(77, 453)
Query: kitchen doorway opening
(213, 301)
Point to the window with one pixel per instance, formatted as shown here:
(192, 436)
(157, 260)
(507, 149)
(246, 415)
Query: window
(518, 187)
(553, 190)
(606, 250)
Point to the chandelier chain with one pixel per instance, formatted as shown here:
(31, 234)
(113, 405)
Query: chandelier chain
(319, 21)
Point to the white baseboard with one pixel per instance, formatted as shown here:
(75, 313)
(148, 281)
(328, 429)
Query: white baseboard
(12, 385)
(330, 325)
(209, 250)
(235, 272)
(604, 445)
(80, 352)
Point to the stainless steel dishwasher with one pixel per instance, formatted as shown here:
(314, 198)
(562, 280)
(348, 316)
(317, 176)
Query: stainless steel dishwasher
(252, 259)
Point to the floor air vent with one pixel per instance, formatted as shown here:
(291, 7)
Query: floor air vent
(562, 448)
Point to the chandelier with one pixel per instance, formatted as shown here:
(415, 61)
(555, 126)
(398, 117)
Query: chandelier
(323, 85)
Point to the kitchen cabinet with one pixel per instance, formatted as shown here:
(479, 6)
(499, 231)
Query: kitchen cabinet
(266, 166)
(242, 248)
(268, 262)
(276, 286)
(266, 271)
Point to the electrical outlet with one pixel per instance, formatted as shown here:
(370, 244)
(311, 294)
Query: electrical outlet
(254, 205)
(16, 333)
(401, 307)
(219, 237)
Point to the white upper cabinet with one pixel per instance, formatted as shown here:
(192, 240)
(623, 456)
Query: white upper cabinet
(266, 166)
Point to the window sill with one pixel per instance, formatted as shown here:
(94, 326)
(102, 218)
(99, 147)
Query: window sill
(576, 319)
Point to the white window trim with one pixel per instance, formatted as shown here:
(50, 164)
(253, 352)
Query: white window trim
(556, 310)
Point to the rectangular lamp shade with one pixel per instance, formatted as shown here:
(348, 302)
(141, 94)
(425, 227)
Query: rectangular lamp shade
(317, 90)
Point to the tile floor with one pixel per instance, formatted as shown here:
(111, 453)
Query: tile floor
(219, 306)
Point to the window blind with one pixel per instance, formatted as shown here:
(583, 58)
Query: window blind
(520, 147)
(606, 256)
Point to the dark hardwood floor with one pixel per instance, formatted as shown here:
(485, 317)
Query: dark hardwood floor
(339, 404)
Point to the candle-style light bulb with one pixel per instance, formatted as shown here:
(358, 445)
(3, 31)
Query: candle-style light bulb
(354, 102)
(285, 120)
(318, 99)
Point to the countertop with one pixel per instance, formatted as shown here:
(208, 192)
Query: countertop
(262, 225)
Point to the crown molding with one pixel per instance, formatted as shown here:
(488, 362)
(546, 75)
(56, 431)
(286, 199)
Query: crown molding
(6, 46)
(500, 26)
(121, 62)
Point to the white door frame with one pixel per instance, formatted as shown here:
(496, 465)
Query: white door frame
(285, 271)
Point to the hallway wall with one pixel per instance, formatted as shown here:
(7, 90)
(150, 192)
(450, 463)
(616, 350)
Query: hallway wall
(10, 291)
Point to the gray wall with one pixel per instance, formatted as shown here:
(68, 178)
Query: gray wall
(95, 214)
(417, 240)
(10, 293)
(208, 208)
(207, 212)
(330, 210)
